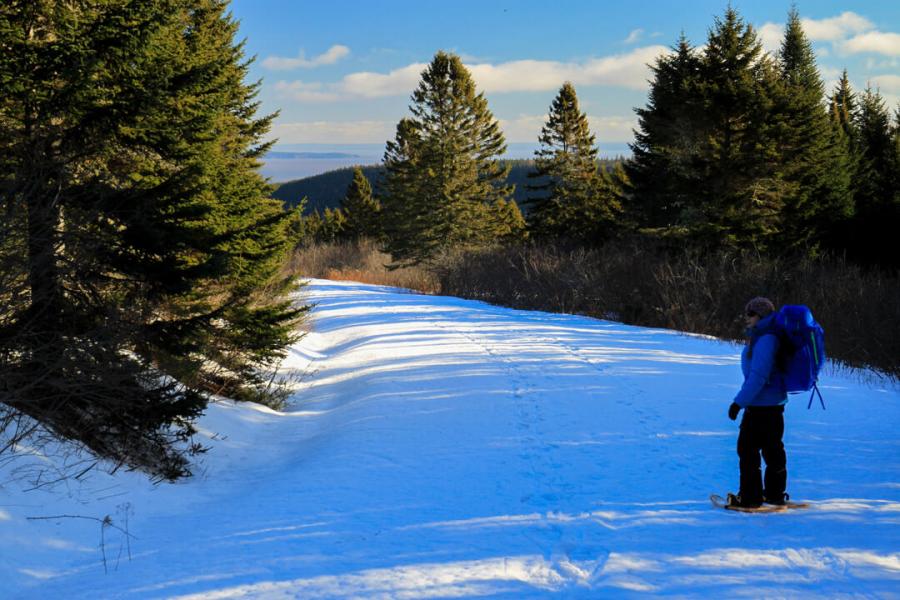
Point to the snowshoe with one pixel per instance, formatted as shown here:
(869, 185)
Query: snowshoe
(733, 502)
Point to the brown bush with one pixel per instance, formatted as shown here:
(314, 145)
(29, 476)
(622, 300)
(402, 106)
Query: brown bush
(643, 283)
(640, 283)
(362, 261)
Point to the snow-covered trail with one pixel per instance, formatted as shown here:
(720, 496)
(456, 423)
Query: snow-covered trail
(439, 447)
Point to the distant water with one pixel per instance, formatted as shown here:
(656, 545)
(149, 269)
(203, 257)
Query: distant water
(286, 162)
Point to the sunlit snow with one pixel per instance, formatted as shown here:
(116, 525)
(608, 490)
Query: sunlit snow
(437, 447)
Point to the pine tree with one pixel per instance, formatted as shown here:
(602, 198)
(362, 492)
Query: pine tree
(442, 172)
(877, 208)
(246, 331)
(843, 109)
(742, 188)
(706, 160)
(663, 171)
(572, 201)
(408, 224)
(509, 224)
(361, 209)
(814, 156)
(334, 225)
(140, 252)
(307, 229)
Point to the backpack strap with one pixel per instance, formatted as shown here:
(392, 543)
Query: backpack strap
(777, 363)
(815, 390)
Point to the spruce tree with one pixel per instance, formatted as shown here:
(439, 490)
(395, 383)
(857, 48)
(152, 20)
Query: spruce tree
(140, 252)
(706, 160)
(877, 209)
(572, 202)
(815, 158)
(442, 174)
(334, 225)
(509, 224)
(408, 225)
(843, 109)
(741, 186)
(663, 171)
(361, 209)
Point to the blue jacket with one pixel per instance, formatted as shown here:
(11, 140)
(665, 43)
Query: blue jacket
(763, 384)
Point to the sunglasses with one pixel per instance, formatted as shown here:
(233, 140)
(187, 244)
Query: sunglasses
(750, 313)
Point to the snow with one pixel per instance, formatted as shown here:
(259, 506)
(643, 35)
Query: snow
(437, 447)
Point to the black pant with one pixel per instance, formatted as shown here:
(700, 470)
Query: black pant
(761, 430)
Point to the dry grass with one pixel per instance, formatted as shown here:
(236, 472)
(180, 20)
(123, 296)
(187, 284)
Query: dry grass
(641, 283)
(361, 261)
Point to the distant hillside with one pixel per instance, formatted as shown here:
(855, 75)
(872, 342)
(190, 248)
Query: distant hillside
(327, 190)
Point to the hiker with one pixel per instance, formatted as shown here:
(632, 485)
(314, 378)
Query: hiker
(762, 398)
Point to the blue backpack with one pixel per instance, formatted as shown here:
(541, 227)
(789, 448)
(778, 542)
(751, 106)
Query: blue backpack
(801, 344)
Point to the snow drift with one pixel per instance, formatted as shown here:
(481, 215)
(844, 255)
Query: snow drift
(437, 447)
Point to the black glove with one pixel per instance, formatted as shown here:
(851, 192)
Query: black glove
(733, 410)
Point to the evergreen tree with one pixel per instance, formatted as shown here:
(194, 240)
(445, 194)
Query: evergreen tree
(408, 225)
(306, 229)
(245, 331)
(334, 225)
(362, 211)
(843, 109)
(509, 225)
(815, 159)
(572, 202)
(877, 206)
(442, 173)
(140, 253)
(742, 189)
(664, 170)
(843, 116)
(706, 159)
(896, 155)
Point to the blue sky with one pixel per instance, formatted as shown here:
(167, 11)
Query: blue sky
(341, 71)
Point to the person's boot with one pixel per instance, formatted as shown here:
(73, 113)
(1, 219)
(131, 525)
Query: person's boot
(737, 501)
(779, 499)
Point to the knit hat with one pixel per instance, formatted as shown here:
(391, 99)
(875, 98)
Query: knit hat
(761, 306)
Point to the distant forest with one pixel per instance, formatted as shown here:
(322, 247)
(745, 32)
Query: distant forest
(328, 189)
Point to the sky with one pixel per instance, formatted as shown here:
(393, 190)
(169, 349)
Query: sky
(341, 72)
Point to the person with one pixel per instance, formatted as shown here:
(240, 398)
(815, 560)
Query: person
(762, 398)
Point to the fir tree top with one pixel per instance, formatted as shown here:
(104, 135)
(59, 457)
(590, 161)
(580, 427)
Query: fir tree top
(797, 59)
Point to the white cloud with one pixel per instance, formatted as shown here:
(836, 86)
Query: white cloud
(770, 35)
(836, 28)
(889, 84)
(523, 128)
(521, 75)
(400, 81)
(877, 42)
(831, 75)
(305, 92)
(329, 57)
(627, 70)
(622, 70)
(613, 129)
(832, 29)
(876, 64)
(634, 36)
(333, 132)
(526, 128)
